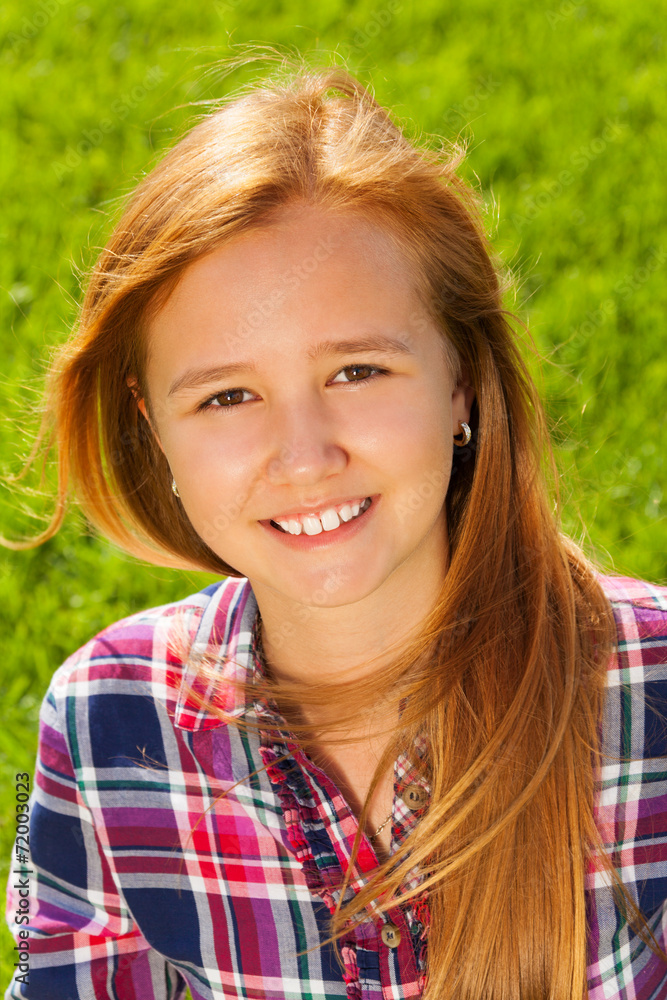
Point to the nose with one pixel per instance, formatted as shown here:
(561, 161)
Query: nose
(304, 446)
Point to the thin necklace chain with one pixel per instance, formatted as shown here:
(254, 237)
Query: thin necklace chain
(382, 826)
(259, 648)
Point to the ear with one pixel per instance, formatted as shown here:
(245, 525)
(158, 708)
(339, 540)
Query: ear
(143, 408)
(463, 396)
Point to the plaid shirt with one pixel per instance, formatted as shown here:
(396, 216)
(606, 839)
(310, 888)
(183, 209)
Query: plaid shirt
(143, 878)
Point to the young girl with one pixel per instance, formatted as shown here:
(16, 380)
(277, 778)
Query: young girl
(405, 746)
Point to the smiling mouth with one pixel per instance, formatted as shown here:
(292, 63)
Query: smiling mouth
(325, 520)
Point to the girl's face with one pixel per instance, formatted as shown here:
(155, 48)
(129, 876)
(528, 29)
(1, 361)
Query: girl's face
(291, 374)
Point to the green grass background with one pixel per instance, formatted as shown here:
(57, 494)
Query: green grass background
(564, 110)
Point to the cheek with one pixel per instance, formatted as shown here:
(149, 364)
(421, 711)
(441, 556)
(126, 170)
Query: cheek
(421, 449)
(210, 449)
(412, 431)
(216, 477)
(220, 490)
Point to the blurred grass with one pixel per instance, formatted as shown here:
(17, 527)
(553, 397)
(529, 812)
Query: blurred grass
(564, 111)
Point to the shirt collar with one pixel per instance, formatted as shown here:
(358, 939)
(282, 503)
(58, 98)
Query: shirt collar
(224, 642)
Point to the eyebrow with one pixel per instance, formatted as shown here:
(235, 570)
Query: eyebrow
(193, 378)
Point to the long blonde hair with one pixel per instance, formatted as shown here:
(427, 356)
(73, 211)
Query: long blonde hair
(506, 678)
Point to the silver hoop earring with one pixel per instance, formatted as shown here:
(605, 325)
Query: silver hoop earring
(467, 434)
(174, 489)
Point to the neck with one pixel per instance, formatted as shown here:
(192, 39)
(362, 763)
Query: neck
(305, 644)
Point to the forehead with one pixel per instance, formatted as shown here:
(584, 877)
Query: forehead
(307, 274)
(300, 242)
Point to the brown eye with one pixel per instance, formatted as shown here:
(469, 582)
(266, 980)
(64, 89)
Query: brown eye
(358, 373)
(229, 397)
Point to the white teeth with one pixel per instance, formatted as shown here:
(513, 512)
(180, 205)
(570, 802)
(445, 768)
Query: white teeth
(329, 519)
(312, 525)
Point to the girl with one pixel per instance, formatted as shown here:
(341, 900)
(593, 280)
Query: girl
(402, 749)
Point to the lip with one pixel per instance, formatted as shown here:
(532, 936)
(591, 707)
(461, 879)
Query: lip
(309, 509)
(325, 538)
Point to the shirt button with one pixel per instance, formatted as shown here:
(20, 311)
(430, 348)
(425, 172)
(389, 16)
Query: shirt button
(391, 936)
(414, 797)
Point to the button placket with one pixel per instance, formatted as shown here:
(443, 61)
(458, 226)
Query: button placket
(391, 935)
(415, 797)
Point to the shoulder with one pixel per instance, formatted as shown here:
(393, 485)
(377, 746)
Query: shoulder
(147, 652)
(636, 704)
(627, 591)
(631, 801)
(640, 614)
(122, 700)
